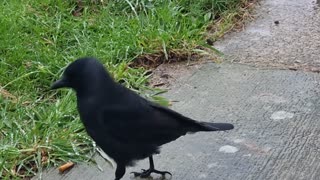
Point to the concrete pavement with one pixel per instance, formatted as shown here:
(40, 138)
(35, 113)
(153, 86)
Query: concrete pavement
(292, 43)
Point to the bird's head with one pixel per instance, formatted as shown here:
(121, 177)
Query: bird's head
(81, 74)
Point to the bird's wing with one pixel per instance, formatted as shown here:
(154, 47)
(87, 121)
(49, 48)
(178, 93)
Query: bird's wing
(190, 124)
(141, 124)
(173, 114)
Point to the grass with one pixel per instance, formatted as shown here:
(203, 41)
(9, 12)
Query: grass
(39, 128)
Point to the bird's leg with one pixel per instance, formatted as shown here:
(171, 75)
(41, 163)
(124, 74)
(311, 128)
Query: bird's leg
(147, 173)
(120, 171)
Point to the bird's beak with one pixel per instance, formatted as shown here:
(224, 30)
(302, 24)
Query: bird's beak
(59, 84)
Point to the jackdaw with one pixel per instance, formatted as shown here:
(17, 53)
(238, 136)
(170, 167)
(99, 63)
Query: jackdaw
(124, 125)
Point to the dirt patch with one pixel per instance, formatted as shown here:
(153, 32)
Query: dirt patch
(6, 94)
(167, 74)
(151, 61)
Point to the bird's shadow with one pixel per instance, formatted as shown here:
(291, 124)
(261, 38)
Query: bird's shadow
(152, 178)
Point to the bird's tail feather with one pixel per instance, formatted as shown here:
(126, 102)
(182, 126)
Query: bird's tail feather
(207, 126)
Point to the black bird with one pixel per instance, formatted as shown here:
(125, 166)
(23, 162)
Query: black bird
(124, 125)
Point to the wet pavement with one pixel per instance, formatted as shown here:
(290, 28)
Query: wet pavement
(275, 110)
(292, 43)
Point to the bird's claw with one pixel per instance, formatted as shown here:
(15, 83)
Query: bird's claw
(138, 173)
(163, 173)
(147, 173)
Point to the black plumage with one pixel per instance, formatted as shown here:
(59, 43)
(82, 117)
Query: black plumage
(126, 126)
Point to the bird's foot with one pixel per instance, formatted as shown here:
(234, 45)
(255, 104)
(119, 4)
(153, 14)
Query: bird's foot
(147, 173)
